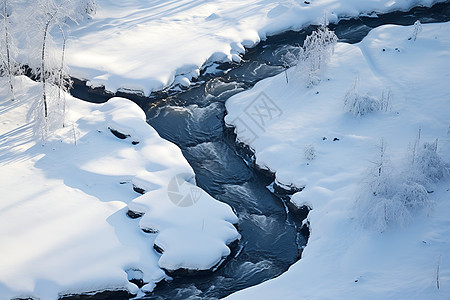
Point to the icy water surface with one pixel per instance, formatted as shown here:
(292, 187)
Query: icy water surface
(193, 119)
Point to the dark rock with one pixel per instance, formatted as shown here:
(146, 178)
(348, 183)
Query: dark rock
(100, 295)
(139, 282)
(134, 214)
(286, 190)
(305, 230)
(149, 230)
(158, 249)
(119, 134)
(138, 190)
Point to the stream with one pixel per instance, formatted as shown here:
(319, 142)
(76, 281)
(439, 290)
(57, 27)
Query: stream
(272, 238)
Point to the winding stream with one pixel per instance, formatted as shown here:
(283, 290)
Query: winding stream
(193, 119)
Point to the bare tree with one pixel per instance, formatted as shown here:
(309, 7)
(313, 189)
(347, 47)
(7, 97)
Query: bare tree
(51, 18)
(8, 49)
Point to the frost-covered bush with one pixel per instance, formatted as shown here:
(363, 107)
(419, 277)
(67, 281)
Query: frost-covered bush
(389, 201)
(290, 59)
(413, 195)
(427, 167)
(390, 198)
(359, 105)
(417, 29)
(310, 152)
(379, 205)
(318, 48)
(313, 56)
(89, 7)
(362, 104)
(382, 213)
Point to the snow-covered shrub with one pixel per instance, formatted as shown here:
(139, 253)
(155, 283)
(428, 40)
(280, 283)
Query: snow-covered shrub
(427, 167)
(315, 54)
(359, 105)
(310, 152)
(362, 104)
(417, 29)
(413, 195)
(379, 206)
(88, 7)
(381, 213)
(290, 59)
(391, 198)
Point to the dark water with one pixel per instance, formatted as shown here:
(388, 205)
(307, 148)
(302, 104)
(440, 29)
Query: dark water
(193, 119)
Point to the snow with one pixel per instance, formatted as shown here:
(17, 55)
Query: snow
(64, 227)
(182, 224)
(345, 258)
(63, 222)
(149, 45)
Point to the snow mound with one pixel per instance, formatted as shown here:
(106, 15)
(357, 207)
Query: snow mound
(193, 228)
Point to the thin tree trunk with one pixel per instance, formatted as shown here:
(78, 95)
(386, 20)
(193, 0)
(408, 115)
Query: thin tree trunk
(44, 93)
(61, 77)
(43, 76)
(8, 57)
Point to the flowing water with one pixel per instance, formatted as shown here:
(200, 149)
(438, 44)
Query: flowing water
(193, 119)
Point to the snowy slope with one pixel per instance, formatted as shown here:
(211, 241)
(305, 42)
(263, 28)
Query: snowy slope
(144, 45)
(64, 227)
(344, 260)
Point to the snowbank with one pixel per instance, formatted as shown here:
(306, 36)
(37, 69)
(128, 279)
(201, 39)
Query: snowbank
(147, 45)
(64, 227)
(284, 123)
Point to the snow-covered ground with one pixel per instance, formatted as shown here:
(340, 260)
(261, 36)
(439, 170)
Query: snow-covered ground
(63, 212)
(148, 45)
(63, 222)
(307, 137)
